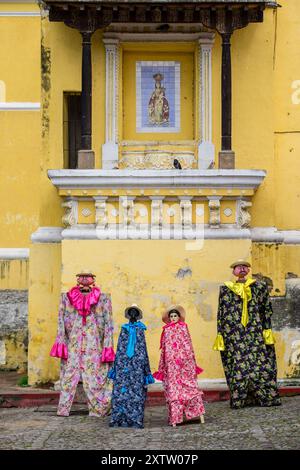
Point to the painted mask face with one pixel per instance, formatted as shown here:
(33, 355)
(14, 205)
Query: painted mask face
(174, 317)
(85, 280)
(241, 270)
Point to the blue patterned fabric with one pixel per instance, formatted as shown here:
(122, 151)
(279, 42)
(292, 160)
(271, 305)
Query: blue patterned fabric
(131, 328)
(131, 376)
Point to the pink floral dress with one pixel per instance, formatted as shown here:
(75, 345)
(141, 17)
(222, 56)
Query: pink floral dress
(84, 343)
(178, 371)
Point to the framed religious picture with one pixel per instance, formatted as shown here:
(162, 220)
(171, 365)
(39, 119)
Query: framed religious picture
(157, 96)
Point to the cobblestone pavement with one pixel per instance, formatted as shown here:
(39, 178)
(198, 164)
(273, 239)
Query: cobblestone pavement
(249, 428)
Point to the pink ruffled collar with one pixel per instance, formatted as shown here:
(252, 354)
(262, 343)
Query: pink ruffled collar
(83, 302)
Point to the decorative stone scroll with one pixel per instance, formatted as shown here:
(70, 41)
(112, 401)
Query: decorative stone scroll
(214, 211)
(101, 212)
(243, 216)
(70, 217)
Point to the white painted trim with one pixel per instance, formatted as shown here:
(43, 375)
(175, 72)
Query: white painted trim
(146, 231)
(110, 149)
(273, 235)
(156, 37)
(47, 235)
(267, 235)
(14, 253)
(113, 231)
(19, 106)
(206, 148)
(19, 13)
(291, 237)
(130, 178)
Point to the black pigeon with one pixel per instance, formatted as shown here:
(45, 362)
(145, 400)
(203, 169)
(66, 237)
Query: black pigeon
(176, 164)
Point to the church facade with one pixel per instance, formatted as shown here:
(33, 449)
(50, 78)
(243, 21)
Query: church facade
(153, 142)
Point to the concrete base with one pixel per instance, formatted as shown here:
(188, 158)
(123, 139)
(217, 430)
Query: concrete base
(226, 159)
(86, 159)
(206, 156)
(110, 156)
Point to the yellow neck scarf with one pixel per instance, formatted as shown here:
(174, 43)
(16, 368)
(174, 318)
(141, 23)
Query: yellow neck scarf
(243, 290)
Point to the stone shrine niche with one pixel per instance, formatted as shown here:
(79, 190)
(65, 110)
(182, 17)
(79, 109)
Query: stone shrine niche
(158, 101)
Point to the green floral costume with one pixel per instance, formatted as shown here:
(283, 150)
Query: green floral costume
(248, 352)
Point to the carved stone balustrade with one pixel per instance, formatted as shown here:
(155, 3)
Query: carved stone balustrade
(161, 204)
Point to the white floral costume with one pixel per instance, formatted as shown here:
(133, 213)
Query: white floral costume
(84, 343)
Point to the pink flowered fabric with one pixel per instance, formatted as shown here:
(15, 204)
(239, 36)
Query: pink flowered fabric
(59, 350)
(83, 302)
(108, 355)
(85, 338)
(178, 371)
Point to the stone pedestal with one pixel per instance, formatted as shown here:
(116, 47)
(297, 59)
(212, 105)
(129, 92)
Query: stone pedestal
(226, 160)
(86, 159)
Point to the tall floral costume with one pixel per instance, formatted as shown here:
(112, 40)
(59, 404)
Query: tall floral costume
(246, 343)
(84, 343)
(130, 373)
(178, 370)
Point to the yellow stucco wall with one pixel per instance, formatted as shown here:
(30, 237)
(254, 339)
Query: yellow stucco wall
(14, 274)
(149, 274)
(262, 104)
(44, 291)
(20, 130)
(266, 117)
(144, 272)
(278, 262)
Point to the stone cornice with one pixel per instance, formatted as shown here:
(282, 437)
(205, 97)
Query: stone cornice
(14, 253)
(100, 179)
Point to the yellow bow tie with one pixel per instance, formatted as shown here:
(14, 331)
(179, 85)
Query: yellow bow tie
(242, 290)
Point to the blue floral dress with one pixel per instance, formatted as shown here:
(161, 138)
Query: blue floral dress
(131, 374)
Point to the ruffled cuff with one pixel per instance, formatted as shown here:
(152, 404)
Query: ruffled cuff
(199, 370)
(158, 376)
(59, 350)
(219, 343)
(111, 373)
(268, 337)
(149, 379)
(108, 355)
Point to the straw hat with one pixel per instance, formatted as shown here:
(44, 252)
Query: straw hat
(137, 308)
(240, 262)
(179, 308)
(85, 272)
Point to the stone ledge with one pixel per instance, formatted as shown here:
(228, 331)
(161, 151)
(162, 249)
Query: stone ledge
(14, 253)
(90, 179)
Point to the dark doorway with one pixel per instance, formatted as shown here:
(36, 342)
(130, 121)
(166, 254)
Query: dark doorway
(72, 128)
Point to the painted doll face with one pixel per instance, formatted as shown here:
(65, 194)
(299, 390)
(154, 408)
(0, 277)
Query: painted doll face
(241, 271)
(174, 317)
(85, 280)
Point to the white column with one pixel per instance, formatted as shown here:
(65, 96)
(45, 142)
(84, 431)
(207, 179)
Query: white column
(110, 148)
(186, 216)
(156, 216)
(214, 211)
(127, 229)
(101, 216)
(206, 149)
